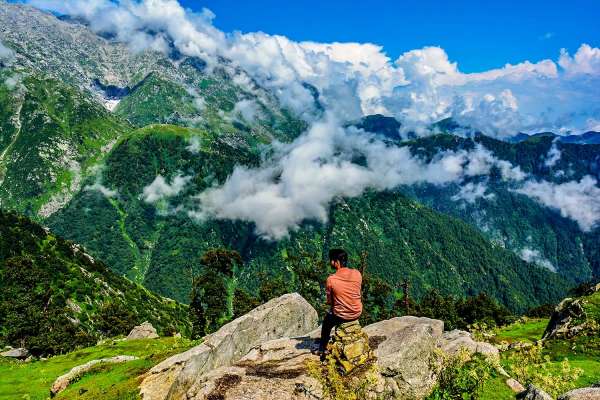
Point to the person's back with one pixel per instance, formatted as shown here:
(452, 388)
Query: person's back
(344, 293)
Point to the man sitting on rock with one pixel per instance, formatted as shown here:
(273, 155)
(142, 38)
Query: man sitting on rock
(343, 295)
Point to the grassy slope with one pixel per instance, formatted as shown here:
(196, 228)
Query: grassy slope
(582, 352)
(33, 380)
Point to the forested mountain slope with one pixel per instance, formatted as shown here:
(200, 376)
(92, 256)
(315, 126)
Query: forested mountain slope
(56, 297)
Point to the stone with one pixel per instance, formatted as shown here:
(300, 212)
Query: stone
(349, 347)
(63, 381)
(515, 385)
(143, 331)
(561, 321)
(287, 316)
(20, 353)
(590, 393)
(455, 340)
(405, 350)
(534, 393)
(274, 370)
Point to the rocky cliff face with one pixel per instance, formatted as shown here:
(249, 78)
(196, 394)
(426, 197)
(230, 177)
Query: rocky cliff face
(265, 355)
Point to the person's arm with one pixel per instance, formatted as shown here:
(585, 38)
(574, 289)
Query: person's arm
(328, 292)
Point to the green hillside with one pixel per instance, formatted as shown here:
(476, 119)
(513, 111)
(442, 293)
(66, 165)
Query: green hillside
(51, 135)
(153, 244)
(55, 297)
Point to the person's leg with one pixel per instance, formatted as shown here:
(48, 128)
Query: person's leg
(329, 322)
(326, 327)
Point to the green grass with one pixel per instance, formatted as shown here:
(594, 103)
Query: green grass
(119, 381)
(528, 332)
(496, 389)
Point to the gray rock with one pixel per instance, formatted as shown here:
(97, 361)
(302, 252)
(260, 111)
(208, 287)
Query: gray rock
(19, 353)
(287, 316)
(453, 341)
(75, 373)
(275, 370)
(534, 393)
(515, 385)
(143, 331)
(591, 393)
(561, 321)
(405, 354)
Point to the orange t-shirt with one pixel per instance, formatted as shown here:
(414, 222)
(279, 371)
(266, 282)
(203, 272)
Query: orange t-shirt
(344, 293)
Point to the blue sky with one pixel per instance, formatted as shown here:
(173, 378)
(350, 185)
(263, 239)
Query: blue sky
(479, 35)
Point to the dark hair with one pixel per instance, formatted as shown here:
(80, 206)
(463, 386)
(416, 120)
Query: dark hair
(339, 255)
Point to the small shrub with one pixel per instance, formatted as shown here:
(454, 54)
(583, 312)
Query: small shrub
(530, 365)
(460, 376)
(337, 386)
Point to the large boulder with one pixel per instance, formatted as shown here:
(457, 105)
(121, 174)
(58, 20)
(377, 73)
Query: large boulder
(405, 350)
(563, 322)
(75, 373)
(143, 331)
(20, 353)
(591, 393)
(455, 340)
(287, 316)
(275, 370)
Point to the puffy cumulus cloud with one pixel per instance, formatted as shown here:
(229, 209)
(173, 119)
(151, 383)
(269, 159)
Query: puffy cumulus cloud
(534, 256)
(356, 79)
(579, 201)
(470, 192)
(305, 176)
(160, 188)
(6, 53)
(586, 61)
(145, 25)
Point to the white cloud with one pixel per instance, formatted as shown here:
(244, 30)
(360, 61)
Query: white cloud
(553, 155)
(355, 79)
(249, 110)
(470, 192)
(160, 188)
(534, 256)
(304, 176)
(195, 144)
(99, 187)
(579, 201)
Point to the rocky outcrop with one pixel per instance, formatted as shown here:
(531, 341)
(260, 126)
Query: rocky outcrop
(287, 316)
(349, 347)
(63, 381)
(591, 393)
(264, 356)
(515, 385)
(143, 331)
(20, 353)
(534, 393)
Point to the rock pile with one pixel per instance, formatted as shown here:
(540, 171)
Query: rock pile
(349, 347)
